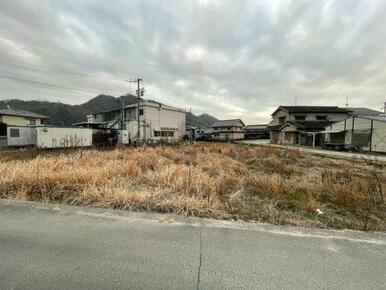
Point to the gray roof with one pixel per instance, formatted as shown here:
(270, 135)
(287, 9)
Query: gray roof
(311, 109)
(364, 112)
(20, 113)
(381, 118)
(228, 123)
(261, 126)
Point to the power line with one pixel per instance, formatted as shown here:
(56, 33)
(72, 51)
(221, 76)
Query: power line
(48, 84)
(172, 102)
(34, 64)
(50, 66)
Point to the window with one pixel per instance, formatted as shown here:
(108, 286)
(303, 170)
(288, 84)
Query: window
(281, 120)
(300, 118)
(141, 112)
(15, 133)
(163, 134)
(321, 118)
(32, 122)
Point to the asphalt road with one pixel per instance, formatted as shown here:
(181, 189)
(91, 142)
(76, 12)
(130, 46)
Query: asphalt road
(59, 247)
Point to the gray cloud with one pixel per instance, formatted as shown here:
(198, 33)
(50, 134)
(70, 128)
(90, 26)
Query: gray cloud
(227, 58)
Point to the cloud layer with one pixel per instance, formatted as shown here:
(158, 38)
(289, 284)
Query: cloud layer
(228, 58)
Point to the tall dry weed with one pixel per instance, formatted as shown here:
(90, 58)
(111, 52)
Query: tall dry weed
(212, 180)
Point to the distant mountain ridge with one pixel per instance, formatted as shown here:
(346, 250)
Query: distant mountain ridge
(203, 120)
(65, 114)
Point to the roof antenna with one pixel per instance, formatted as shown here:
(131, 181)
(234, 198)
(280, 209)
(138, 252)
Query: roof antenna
(346, 101)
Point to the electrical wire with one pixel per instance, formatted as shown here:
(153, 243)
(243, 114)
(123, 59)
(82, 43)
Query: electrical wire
(48, 84)
(36, 63)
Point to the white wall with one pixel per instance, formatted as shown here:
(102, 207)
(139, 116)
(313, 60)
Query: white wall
(280, 113)
(156, 118)
(228, 136)
(58, 137)
(27, 136)
(340, 125)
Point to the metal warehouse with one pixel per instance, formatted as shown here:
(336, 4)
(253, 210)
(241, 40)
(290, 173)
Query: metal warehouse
(367, 133)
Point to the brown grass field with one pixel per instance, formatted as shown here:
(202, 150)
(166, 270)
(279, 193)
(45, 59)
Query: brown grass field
(223, 181)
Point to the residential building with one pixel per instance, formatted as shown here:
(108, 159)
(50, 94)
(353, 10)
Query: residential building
(17, 125)
(157, 121)
(256, 132)
(191, 132)
(361, 132)
(228, 130)
(301, 124)
(14, 117)
(197, 133)
(203, 133)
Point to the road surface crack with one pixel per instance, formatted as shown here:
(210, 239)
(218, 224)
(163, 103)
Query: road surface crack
(199, 262)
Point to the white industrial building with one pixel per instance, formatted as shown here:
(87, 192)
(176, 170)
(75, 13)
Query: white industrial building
(157, 121)
(365, 133)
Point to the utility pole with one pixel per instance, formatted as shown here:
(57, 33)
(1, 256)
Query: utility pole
(138, 121)
(346, 101)
(190, 125)
(384, 108)
(139, 94)
(123, 113)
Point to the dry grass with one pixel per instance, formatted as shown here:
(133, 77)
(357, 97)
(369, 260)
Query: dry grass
(211, 180)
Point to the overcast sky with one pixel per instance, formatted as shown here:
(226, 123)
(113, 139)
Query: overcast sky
(232, 59)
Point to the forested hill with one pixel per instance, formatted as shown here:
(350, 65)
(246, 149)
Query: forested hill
(66, 114)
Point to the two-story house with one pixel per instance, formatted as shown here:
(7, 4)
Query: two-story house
(228, 130)
(301, 124)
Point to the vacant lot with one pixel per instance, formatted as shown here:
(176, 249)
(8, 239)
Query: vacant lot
(223, 181)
